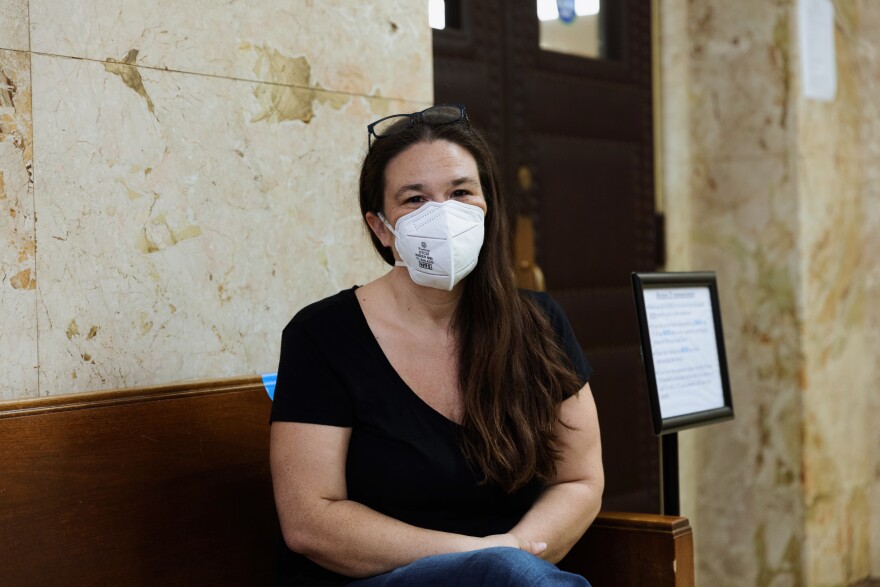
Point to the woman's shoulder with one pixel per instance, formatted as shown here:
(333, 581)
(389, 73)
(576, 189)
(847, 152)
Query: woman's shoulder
(335, 309)
(552, 310)
(559, 322)
(539, 296)
(543, 300)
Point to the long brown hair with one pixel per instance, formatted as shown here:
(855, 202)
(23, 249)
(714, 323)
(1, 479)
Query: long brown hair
(512, 372)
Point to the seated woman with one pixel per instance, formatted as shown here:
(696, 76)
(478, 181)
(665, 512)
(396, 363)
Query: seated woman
(435, 426)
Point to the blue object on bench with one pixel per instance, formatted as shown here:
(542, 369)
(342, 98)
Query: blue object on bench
(269, 383)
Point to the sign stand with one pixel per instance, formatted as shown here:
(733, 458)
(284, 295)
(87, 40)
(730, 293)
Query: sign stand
(685, 361)
(669, 474)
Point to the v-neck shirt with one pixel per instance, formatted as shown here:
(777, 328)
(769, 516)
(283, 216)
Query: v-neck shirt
(403, 456)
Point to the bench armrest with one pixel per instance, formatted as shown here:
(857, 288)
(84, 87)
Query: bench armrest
(623, 549)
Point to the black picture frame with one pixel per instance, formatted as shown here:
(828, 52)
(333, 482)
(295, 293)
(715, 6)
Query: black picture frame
(665, 287)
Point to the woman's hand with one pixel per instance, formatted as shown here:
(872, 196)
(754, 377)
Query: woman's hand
(512, 541)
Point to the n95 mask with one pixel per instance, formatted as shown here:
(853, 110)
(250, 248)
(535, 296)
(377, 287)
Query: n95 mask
(439, 243)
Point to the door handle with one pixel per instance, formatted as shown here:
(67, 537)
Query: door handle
(528, 273)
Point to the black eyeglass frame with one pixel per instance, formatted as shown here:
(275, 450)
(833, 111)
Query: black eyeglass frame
(415, 117)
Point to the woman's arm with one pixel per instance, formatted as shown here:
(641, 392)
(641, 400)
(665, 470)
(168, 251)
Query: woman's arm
(571, 502)
(319, 521)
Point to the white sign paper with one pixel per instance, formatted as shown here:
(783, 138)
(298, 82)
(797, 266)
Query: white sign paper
(684, 350)
(818, 61)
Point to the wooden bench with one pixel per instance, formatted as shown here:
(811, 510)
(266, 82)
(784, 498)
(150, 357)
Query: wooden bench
(170, 485)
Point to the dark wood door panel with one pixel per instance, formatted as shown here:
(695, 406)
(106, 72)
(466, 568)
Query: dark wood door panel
(467, 82)
(586, 226)
(469, 69)
(582, 108)
(605, 316)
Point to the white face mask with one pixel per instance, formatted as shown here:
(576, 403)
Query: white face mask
(439, 243)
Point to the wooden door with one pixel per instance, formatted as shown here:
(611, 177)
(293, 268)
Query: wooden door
(574, 138)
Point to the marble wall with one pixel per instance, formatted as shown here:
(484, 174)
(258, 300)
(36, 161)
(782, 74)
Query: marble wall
(177, 179)
(836, 259)
(867, 52)
(778, 194)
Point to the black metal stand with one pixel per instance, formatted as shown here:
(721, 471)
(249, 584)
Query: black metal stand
(669, 473)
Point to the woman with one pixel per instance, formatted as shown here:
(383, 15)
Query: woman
(434, 426)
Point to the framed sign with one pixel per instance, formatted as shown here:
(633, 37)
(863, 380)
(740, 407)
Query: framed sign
(683, 349)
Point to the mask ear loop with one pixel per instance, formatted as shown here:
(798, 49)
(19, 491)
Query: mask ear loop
(397, 262)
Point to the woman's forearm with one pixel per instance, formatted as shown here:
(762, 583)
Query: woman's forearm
(560, 517)
(354, 540)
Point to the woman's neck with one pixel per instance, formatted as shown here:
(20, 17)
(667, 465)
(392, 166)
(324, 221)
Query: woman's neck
(419, 306)
(426, 305)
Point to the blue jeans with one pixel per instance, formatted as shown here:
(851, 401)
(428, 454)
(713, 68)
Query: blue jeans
(492, 567)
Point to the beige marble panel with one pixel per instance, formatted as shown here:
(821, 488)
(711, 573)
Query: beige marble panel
(837, 424)
(747, 472)
(741, 95)
(868, 81)
(18, 320)
(870, 65)
(676, 172)
(869, 88)
(871, 199)
(735, 210)
(372, 48)
(838, 555)
(14, 25)
(830, 129)
(804, 327)
(180, 227)
(874, 529)
(832, 239)
(18, 250)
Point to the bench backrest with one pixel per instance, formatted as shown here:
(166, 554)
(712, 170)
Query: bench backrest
(167, 485)
(171, 486)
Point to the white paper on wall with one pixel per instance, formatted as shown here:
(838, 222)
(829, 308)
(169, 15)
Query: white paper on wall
(818, 61)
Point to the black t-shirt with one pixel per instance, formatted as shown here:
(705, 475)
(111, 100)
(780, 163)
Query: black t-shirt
(403, 456)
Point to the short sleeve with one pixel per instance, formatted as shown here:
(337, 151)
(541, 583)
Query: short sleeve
(308, 388)
(565, 335)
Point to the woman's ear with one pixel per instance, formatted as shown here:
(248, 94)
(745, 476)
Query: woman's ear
(379, 229)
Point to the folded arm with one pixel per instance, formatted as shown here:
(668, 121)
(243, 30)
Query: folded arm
(571, 502)
(319, 521)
